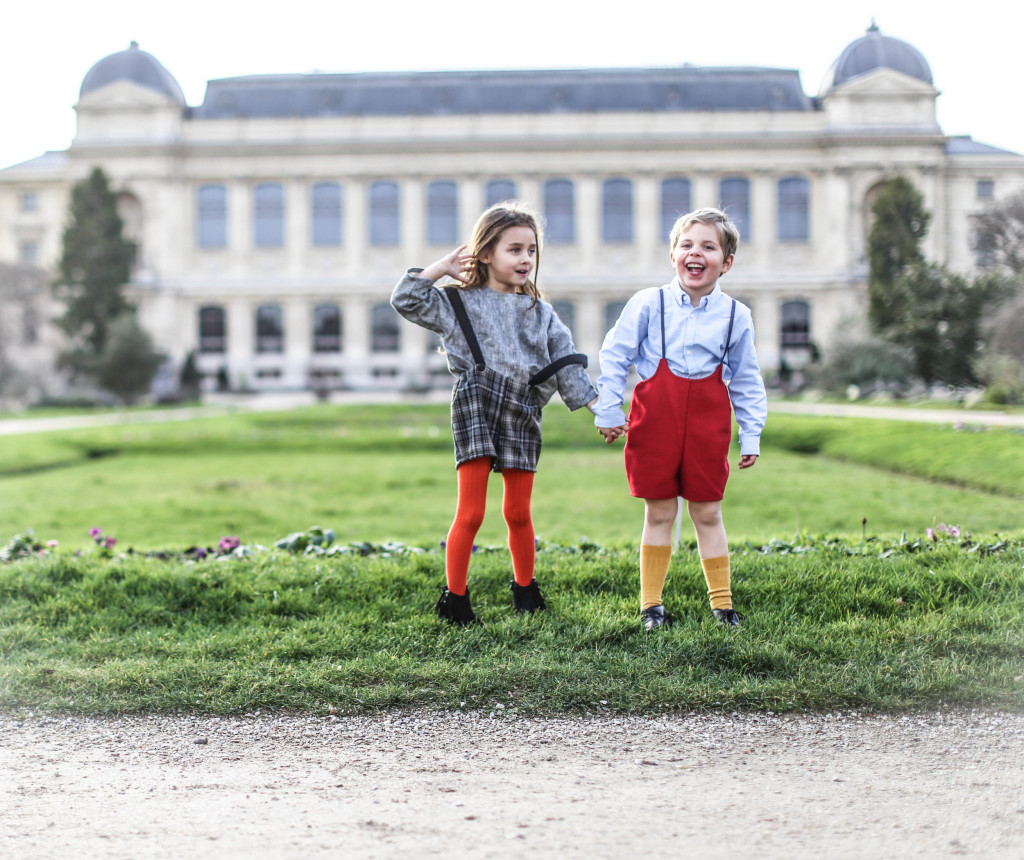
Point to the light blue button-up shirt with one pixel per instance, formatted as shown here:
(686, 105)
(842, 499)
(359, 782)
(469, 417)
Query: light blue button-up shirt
(695, 343)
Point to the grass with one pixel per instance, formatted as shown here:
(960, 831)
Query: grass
(864, 617)
(827, 624)
(386, 473)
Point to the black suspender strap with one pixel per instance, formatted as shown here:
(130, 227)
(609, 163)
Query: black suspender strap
(467, 327)
(664, 347)
(478, 356)
(557, 365)
(728, 335)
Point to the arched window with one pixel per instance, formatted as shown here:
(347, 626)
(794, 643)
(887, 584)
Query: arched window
(442, 213)
(212, 216)
(268, 214)
(384, 335)
(734, 195)
(796, 325)
(269, 329)
(327, 214)
(794, 209)
(212, 329)
(560, 211)
(385, 227)
(617, 210)
(498, 190)
(326, 328)
(675, 201)
(567, 314)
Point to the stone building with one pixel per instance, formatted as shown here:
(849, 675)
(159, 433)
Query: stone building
(274, 218)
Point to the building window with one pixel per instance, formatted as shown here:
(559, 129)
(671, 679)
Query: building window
(30, 325)
(499, 190)
(794, 209)
(327, 214)
(212, 330)
(734, 196)
(385, 228)
(796, 325)
(212, 216)
(442, 213)
(28, 201)
(28, 251)
(985, 189)
(326, 328)
(612, 312)
(985, 251)
(567, 314)
(675, 201)
(384, 332)
(560, 211)
(269, 329)
(617, 210)
(268, 211)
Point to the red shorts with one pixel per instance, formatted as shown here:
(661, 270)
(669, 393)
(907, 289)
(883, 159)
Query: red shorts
(679, 436)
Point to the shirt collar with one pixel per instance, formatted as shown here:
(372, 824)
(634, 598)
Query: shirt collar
(683, 300)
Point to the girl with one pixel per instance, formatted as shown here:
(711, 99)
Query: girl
(510, 353)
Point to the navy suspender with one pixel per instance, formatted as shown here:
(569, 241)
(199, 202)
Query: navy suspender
(728, 334)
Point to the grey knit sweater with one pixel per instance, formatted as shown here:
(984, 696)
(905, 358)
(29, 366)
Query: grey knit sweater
(516, 337)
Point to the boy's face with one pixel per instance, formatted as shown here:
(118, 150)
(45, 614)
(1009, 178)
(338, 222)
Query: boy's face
(699, 260)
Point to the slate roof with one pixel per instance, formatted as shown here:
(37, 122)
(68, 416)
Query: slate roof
(685, 88)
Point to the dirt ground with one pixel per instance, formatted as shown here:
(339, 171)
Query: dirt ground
(936, 784)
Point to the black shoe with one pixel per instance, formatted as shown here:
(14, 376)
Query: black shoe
(527, 598)
(455, 608)
(655, 617)
(728, 617)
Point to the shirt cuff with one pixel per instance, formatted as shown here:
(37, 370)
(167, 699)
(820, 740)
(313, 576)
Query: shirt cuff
(750, 445)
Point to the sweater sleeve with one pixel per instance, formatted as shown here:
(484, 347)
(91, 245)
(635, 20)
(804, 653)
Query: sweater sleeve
(574, 385)
(422, 303)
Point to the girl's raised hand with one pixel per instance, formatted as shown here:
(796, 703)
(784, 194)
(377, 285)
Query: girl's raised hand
(454, 265)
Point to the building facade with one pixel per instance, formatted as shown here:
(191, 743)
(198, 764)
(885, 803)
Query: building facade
(273, 219)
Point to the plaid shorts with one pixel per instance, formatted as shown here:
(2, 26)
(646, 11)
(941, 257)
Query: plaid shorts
(497, 417)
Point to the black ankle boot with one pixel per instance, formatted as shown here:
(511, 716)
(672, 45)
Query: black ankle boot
(455, 608)
(527, 598)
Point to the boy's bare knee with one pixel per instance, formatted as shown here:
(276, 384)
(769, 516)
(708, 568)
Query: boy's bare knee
(706, 514)
(659, 512)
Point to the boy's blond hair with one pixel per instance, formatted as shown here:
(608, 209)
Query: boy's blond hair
(728, 232)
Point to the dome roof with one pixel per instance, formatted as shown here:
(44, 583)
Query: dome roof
(136, 66)
(875, 51)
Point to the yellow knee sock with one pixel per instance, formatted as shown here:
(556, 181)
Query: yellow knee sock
(718, 576)
(653, 573)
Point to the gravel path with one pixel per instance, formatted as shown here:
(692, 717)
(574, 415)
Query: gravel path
(935, 784)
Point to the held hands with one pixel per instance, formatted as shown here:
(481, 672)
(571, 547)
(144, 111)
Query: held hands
(454, 265)
(612, 434)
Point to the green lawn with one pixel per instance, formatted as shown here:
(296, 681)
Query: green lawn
(838, 612)
(386, 473)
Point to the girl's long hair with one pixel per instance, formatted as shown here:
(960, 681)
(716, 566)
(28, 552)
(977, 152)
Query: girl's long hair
(486, 233)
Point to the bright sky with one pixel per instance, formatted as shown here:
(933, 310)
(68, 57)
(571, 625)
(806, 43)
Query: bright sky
(974, 49)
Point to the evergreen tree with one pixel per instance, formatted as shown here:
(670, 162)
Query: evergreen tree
(129, 362)
(95, 265)
(942, 325)
(900, 223)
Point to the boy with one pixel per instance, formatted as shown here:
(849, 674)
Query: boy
(686, 339)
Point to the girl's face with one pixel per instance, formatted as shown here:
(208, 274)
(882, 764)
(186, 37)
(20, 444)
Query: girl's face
(511, 260)
(699, 260)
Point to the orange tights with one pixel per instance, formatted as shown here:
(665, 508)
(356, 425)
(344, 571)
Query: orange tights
(469, 516)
